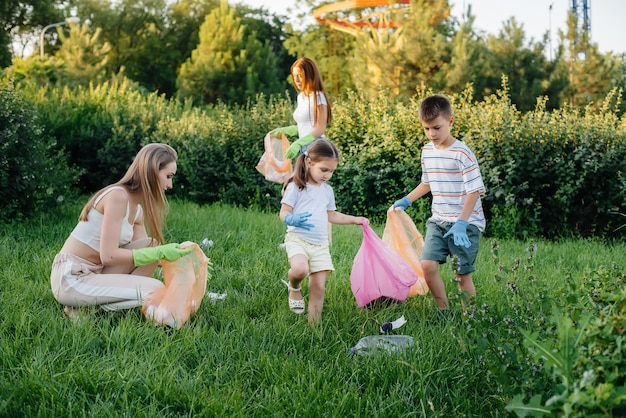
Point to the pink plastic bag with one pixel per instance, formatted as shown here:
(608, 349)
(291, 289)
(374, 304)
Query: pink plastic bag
(273, 163)
(402, 235)
(379, 272)
(185, 284)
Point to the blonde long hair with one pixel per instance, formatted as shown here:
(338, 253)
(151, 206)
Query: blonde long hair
(313, 84)
(143, 176)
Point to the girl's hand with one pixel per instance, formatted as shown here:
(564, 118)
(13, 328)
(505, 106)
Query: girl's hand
(359, 220)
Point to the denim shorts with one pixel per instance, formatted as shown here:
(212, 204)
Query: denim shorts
(436, 248)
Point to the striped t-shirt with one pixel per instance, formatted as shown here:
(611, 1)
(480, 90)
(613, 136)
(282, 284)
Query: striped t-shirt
(452, 173)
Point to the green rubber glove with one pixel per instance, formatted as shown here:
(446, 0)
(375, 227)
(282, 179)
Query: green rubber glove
(295, 148)
(287, 130)
(168, 252)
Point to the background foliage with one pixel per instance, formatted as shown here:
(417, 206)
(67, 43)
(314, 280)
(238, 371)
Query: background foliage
(34, 173)
(160, 45)
(550, 174)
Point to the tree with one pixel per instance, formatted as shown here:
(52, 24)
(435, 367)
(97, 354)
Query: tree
(464, 65)
(227, 65)
(84, 54)
(269, 28)
(526, 67)
(135, 30)
(591, 75)
(332, 52)
(24, 17)
(427, 33)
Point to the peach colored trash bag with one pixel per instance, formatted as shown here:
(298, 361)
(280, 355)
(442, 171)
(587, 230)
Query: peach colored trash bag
(402, 235)
(185, 284)
(273, 163)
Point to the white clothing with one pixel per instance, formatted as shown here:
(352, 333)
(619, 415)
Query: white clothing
(315, 199)
(89, 231)
(452, 174)
(304, 115)
(78, 282)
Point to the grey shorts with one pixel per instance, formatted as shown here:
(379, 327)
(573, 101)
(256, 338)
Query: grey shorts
(436, 248)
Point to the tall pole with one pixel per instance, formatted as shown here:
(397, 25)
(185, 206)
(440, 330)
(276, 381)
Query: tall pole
(550, 28)
(45, 28)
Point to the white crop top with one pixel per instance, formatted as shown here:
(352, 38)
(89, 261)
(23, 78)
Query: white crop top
(88, 232)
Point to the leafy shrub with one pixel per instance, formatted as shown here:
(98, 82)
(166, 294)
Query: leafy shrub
(101, 127)
(32, 173)
(549, 174)
(586, 360)
(556, 173)
(219, 148)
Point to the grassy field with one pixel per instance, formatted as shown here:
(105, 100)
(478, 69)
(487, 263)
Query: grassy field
(248, 355)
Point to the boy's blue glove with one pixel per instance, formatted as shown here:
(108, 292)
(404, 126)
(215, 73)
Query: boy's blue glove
(459, 231)
(287, 130)
(294, 148)
(299, 220)
(402, 203)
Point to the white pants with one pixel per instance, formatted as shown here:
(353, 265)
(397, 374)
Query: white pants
(77, 282)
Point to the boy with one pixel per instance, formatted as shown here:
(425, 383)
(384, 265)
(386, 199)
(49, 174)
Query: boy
(450, 173)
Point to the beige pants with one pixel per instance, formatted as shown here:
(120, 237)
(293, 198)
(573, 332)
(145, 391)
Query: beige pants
(77, 282)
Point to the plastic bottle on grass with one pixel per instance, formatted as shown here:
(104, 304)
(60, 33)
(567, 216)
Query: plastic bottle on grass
(374, 344)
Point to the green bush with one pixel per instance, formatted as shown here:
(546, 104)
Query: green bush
(101, 127)
(33, 174)
(555, 173)
(219, 148)
(549, 174)
(584, 361)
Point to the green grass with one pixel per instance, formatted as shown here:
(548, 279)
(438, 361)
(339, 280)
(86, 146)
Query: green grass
(248, 355)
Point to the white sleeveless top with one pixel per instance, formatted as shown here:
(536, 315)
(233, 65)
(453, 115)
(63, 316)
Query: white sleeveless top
(88, 232)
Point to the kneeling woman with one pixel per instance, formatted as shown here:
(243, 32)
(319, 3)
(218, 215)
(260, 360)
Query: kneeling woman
(108, 260)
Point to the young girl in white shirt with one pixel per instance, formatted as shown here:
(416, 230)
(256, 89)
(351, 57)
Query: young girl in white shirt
(307, 206)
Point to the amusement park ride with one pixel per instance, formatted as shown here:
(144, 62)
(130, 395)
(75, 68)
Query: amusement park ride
(376, 18)
(357, 17)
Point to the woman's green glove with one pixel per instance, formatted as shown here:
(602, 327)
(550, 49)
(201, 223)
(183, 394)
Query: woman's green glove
(168, 252)
(294, 148)
(287, 130)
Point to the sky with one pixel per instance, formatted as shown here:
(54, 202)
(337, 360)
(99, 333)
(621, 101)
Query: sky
(606, 16)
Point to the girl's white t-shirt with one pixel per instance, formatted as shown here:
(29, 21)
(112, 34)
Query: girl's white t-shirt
(304, 115)
(315, 199)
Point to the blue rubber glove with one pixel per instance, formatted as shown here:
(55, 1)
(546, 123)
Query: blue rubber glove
(402, 203)
(459, 231)
(299, 220)
(287, 130)
(296, 147)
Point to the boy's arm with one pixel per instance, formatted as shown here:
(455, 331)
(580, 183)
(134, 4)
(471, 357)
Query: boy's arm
(422, 189)
(415, 194)
(468, 206)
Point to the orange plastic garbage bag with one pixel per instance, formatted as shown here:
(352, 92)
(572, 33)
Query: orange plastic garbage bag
(273, 163)
(402, 235)
(185, 285)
